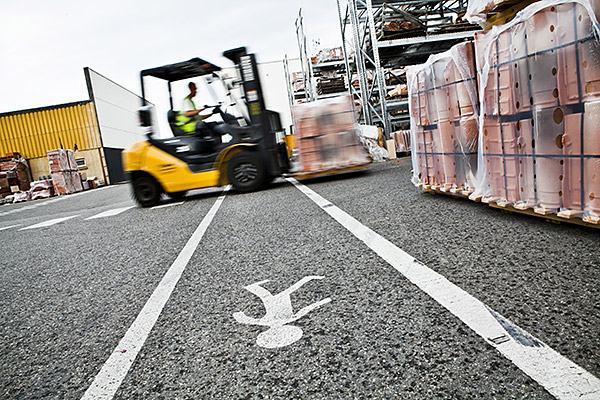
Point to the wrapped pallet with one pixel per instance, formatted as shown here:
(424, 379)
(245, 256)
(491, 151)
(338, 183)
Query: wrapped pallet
(63, 168)
(41, 189)
(443, 120)
(327, 135)
(539, 89)
(16, 170)
(58, 160)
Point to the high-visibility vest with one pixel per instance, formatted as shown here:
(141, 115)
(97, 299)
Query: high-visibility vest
(187, 124)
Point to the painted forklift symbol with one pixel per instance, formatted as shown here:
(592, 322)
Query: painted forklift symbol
(279, 312)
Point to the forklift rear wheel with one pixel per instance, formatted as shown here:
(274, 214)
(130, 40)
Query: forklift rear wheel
(146, 191)
(246, 172)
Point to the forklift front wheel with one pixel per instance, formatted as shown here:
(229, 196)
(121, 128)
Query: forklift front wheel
(246, 172)
(146, 191)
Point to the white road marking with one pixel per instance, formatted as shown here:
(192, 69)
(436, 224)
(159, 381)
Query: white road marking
(116, 367)
(110, 213)
(39, 203)
(279, 312)
(167, 205)
(8, 227)
(558, 375)
(48, 223)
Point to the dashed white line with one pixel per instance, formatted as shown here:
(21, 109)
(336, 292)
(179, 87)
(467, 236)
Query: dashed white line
(110, 213)
(48, 223)
(9, 227)
(116, 367)
(167, 205)
(561, 377)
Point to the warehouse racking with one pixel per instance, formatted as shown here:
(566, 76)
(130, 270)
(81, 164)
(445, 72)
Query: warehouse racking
(322, 75)
(386, 36)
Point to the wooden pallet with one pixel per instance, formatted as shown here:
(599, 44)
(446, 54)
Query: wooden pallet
(572, 217)
(314, 174)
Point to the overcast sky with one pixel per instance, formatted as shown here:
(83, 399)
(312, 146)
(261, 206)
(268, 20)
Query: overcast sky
(44, 45)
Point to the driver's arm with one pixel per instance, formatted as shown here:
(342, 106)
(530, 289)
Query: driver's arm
(192, 113)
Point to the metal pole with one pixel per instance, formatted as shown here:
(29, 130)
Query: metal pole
(359, 61)
(304, 57)
(343, 32)
(288, 80)
(378, 71)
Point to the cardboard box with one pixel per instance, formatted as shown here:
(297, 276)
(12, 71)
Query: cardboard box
(391, 148)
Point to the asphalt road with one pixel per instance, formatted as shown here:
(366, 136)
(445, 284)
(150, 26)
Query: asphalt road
(70, 292)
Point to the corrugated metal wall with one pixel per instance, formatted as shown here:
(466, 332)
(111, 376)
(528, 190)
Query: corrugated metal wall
(32, 132)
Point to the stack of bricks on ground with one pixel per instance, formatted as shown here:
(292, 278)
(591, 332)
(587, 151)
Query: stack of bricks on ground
(16, 185)
(64, 172)
(513, 118)
(327, 138)
(14, 175)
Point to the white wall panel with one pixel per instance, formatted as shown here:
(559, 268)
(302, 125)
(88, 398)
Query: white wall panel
(117, 112)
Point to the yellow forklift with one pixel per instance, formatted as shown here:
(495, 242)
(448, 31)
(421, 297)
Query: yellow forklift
(255, 154)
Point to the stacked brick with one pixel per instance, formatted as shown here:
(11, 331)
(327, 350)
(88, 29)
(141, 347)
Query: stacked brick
(327, 135)
(63, 169)
(538, 80)
(443, 107)
(41, 189)
(14, 175)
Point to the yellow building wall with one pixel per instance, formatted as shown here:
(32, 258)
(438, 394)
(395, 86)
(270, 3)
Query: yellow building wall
(33, 132)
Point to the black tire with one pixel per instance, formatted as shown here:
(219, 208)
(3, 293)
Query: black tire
(246, 172)
(177, 195)
(146, 191)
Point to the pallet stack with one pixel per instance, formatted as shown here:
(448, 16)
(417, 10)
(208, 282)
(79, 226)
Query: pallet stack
(41, 189)
(14, 174)
(327, 137)
(541, 97)
(63, 169)
(443, 108)
(538, 80)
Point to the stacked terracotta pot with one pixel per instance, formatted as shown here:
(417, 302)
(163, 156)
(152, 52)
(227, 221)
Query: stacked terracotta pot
(443, 106)
(538, 80)
(327, 137)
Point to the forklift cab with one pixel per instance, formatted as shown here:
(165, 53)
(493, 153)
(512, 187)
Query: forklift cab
(209, 138)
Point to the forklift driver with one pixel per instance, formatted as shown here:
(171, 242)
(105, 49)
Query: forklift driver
(190, 119)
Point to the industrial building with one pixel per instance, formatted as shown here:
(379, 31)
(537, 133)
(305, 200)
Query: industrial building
(97, 129)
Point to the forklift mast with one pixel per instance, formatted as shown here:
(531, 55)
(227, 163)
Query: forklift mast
(266, 121)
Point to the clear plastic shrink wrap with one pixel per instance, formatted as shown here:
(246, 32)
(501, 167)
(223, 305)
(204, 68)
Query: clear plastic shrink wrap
(327, 135)
(58, 160)
(402, 141)
(539, 91)
(443, 120)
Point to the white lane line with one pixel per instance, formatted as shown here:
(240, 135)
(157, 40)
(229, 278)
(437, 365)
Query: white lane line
(110, 213)
(557, 374)
(43, 203)
(48, 223)
(116, 367)
(8, 227)
(167, 205)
